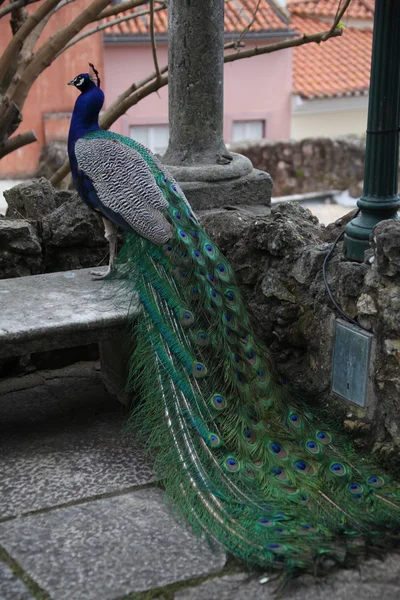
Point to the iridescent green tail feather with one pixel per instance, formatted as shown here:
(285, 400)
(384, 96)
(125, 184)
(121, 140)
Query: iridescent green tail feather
(242, 458)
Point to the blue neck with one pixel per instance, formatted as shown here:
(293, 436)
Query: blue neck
(85, 118)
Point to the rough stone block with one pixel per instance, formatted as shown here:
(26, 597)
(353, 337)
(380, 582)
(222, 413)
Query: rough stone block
(20, 249)
(73, 237)
(31, 199)
(105, 549)
(386, 245)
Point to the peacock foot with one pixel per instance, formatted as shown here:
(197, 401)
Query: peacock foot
(99, 275)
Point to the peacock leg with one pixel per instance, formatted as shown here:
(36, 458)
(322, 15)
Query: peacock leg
(110, 234)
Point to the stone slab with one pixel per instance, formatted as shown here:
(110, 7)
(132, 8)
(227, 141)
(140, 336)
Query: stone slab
(252, 189)
(62, 441)
(374, 579)
(58, 310)
(12, 588)
(108, 548)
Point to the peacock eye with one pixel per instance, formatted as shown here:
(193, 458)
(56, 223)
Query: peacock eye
(78, 81)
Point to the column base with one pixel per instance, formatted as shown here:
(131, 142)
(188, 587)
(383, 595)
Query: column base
(358, 231)
(254, 188)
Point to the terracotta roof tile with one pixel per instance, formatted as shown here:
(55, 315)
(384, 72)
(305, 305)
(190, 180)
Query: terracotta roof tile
(238, 15)
(358, 9)
(338, 67)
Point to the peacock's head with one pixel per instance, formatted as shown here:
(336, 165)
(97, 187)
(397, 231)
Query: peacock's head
(86, 81)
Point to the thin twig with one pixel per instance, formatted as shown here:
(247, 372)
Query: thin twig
(338, 17)
(247, 28)
(233, 44)
(153, 41)
(123, 6)
(305, 39)
(103, 26)
(22, 139)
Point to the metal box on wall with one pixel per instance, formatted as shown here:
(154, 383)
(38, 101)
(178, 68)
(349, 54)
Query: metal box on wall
(351, 357)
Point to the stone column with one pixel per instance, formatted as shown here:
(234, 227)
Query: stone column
(196, 155)
(196, 83)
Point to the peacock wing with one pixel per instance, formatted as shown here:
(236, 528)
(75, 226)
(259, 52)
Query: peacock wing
(126, 190)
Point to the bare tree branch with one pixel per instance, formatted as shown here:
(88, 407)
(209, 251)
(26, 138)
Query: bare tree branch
(14, 5)
(98, 28)
(11, 118)
(153, 41)
(113, 113)
(26, 53)
(134, 87)
(22, 139)
(17, 41)
(46, 53)
(61, 5)
(18, 18)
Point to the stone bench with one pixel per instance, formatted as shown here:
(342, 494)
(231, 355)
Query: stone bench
(67, 309)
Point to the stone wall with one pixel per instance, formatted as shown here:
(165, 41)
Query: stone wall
(48, 230)
(309, 165)
(277, 256)
(278, 259)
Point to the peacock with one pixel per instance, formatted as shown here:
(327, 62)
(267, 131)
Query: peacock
(244, 459)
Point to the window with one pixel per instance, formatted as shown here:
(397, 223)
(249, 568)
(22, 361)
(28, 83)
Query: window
(248, 130)
(154, 137)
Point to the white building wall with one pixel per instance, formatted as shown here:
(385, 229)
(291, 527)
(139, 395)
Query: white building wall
(329, 117)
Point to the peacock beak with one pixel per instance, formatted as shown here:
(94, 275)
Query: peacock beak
(70, 82)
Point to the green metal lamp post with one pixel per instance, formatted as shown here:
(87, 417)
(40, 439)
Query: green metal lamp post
(380, 199)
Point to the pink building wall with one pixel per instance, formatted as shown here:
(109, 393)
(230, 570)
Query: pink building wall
(255, 88)
(129, 63)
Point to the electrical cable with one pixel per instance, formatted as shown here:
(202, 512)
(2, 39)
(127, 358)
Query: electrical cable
(328, 289)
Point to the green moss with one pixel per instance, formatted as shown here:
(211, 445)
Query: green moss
(34, 588)
(168, 592)
(299, 174)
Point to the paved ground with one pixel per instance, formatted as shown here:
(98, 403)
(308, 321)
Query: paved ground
(82, 516)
